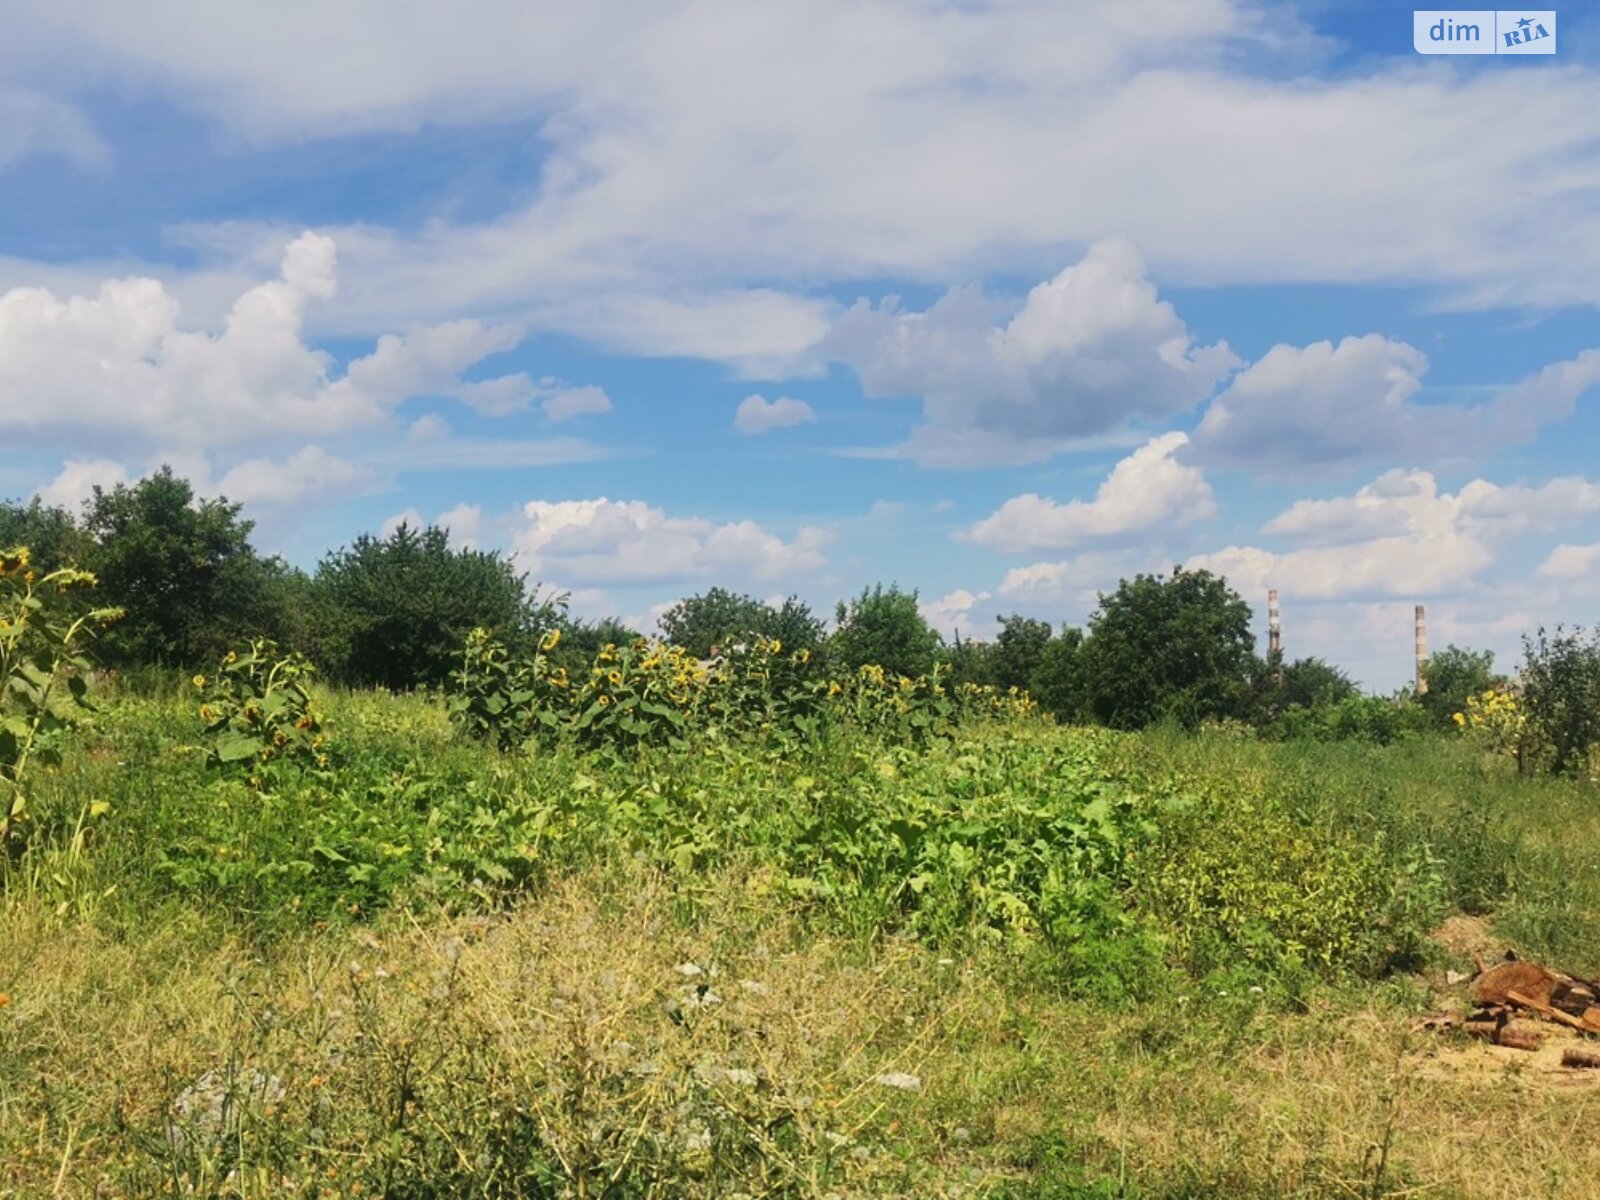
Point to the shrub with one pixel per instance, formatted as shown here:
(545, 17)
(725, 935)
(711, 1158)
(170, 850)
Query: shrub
(1561, 694)
(1374, 719)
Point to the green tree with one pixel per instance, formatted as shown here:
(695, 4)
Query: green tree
(184, 571)
(394, 612)
(51, 534)
(968, 660)
(719, 616)
(1561, 692)
(1176, 648)
(1058, 684)
(1453, 674)
(883, 626)
(1019, 651)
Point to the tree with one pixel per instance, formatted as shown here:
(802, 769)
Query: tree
(394, 612)
(1453, 674)
(1168, 649)
(1315, 683)
(1561, 692)
(184, 571)
(1019, 651)
(883, 626)
(1058, 684)
(50, 533)
(699, 623)
(967, 660)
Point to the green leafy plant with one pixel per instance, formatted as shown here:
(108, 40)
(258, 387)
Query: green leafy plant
(43, 672)
(260, 715)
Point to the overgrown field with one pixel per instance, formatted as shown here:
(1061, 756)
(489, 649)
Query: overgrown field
(1021, 960)
(1006, 960)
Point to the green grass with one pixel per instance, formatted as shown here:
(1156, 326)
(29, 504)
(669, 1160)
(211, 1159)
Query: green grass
(1118, 966)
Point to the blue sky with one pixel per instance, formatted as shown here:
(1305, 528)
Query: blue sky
(1003, 302)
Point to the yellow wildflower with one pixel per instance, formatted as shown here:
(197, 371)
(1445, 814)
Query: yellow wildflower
(199, 681)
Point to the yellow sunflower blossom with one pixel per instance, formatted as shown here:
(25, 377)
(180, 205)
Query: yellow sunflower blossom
(199, 682)
(550, 640)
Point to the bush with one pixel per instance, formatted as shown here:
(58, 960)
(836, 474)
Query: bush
(1561, 695)
(1374, 719)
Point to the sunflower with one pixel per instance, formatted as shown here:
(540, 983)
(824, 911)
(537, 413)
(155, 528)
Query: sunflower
(550, 640)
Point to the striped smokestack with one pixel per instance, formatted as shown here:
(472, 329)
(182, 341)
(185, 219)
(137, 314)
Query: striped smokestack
(1422, 651)
(1274, 630)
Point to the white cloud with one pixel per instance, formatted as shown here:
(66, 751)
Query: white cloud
(565, 403)
(1567, 561)
(1399, 536)
(78, 479)
(1146, 489)
(464, 523)
(118, 364)
(658, 200)
(602, 541)
(757, 414)
(952, 612)
(1087, 352)
(32, 122)
(310, 474)
(1327, 406)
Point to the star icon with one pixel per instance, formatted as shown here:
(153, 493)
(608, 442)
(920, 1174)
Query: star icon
(1525, 22)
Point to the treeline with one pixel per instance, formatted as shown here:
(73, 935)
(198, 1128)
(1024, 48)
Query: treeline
(394, 612)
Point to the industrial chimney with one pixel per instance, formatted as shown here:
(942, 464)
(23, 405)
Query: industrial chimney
(1422, 652)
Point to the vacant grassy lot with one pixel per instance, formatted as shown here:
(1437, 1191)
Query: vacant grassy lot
(1026, 962)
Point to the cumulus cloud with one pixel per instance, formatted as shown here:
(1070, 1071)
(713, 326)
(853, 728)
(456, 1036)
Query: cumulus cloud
(1567, 561)
(310, 474)
(952, 612)
(757, 414)
(1328, 406)
(118, 363)
(78, 479)
(602, 541)
(566, 403)
(1088, 351)
(1146, 489)
(1399, 536)
(464, 523)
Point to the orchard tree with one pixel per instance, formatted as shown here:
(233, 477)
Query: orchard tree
(719, 616)
(883, 627)
(1453, 674)
(1561, 692)
(1177, 648)
(394, 612)
(1058, 683)
(50, 533)
(183, 570)
(1018, 651)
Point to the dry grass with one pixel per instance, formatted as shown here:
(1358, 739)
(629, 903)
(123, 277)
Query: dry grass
(568, 1049)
